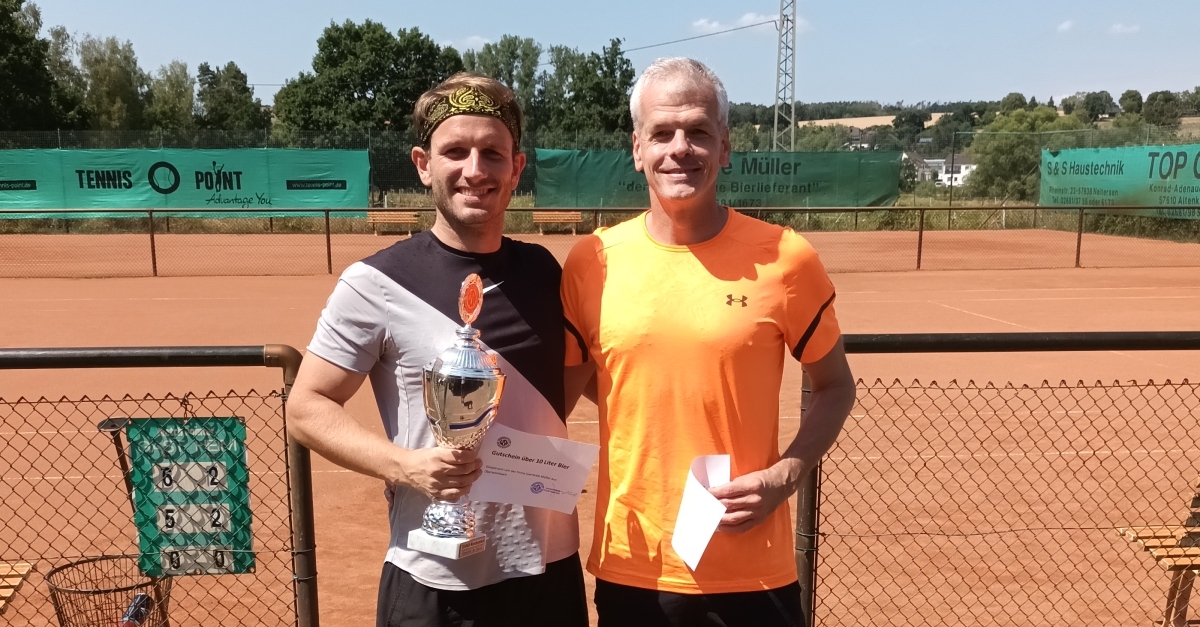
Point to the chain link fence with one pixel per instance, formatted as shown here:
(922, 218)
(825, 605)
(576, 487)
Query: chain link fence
(189, 498)
(66, 500)
(999, 505)
(313, 242)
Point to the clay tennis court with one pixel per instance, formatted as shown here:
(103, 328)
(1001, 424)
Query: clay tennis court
(880, 583)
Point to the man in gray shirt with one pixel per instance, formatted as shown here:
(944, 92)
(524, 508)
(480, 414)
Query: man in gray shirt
(394, 312)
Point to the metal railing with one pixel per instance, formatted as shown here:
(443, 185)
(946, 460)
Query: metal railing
(998, 504)
(53, 449)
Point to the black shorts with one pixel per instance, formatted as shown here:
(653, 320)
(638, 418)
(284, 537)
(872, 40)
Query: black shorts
(625, 606)
(552, 599)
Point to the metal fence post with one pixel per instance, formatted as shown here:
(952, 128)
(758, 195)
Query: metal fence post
(304, 544)
(920, 236)
(1079, 239)
(153, 249)
(328, 246)
(808, 526)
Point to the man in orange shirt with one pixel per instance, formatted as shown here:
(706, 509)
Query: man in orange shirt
(687, 313)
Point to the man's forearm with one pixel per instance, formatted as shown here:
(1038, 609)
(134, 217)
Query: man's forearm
(328, 429)
(819, 428)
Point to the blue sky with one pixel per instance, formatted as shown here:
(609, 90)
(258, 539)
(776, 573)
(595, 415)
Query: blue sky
(849, 50)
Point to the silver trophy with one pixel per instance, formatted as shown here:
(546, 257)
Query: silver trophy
(462, 393)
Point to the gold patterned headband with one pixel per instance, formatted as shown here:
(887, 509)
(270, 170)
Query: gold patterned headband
(470, 101)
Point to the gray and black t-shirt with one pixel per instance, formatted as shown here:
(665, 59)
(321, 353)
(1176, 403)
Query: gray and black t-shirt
(393, 313)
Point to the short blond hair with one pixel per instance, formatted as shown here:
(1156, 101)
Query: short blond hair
(490, 87)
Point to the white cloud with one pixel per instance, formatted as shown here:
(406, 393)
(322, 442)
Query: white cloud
(753, 18)
(1066, 26)
(1124, 29)
(706, 26)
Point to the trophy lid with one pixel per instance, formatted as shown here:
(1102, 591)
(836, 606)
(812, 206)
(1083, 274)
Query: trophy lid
(470, 299)
(467, 357)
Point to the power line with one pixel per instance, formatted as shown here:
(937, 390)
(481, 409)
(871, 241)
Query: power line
(720, 32)
(675, 41)
(665, 43)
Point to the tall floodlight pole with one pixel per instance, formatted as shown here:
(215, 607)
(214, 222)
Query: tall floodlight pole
(785, 79)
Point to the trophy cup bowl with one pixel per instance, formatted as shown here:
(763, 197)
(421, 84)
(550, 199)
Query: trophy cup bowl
(462, 390)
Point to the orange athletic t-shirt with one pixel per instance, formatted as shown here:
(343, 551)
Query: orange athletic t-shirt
(689, 343)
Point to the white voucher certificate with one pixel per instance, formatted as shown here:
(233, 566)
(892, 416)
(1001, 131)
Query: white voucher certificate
(535, 470)
(699, 512)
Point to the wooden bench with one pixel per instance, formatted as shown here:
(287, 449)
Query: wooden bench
(1177, 550)
(542, 218)
(380, 220)
(12, 575)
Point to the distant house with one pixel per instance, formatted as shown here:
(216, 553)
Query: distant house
(924, 172)
(945, 174)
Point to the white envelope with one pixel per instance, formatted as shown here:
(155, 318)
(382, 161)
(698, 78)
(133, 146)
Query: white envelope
(699, 512)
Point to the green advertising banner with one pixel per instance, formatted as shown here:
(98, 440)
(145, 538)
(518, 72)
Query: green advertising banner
(593, 178)
(262, 179)
(1155, 176)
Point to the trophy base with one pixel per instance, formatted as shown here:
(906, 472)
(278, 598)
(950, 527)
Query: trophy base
(452, 548)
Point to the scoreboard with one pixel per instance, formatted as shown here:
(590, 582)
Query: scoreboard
(191, 496)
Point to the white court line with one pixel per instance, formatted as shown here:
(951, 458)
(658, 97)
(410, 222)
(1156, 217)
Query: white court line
(50, 432)
(143, 298)
(1029, 300)
(937, 413)
(1019, 326)
(1049, 289)
(1038, 454)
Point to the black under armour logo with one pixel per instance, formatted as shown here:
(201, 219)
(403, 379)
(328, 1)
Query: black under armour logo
(733, 300)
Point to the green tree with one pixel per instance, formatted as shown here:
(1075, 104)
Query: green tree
(70, 86)
(512, 61)
(1162, 108)
(226, 100)
(587, 94)
(747, 137)
(26, 86)
(813, 138)
(172, 98)
(1013, 102)
(909, 123)
(1129, 120)
(952, 131)
(747, 113)
(116, 85)
(908, 176)
(1008, 152)
(882, 138)
(1097, 104)
(1033, 104)
(1189, 102)
(1131, 101)
(1069, 104)
(364, 77)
